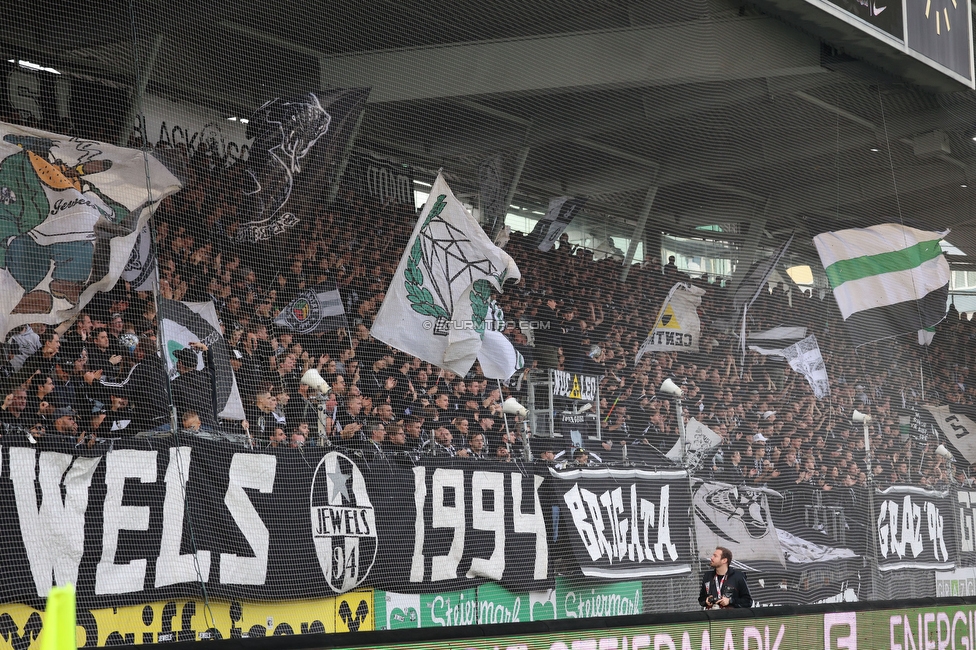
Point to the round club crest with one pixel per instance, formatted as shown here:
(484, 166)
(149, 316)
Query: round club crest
(343, 522)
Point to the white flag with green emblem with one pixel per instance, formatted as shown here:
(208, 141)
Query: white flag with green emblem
(888, 279)
(438, 302)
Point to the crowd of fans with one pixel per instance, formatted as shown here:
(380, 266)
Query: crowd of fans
(100, 375)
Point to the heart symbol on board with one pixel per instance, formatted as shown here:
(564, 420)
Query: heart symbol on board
(543, 611)
(400, 620)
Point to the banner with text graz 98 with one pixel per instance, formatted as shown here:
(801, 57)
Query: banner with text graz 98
(625, 522)
(915, 529)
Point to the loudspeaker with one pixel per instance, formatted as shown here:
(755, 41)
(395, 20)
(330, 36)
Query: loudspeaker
(670, 388)
(314, 379)
(512, 407)
(942, 451)
(859, 417)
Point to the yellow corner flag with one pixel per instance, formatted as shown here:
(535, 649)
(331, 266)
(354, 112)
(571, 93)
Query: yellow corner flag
(59, 620)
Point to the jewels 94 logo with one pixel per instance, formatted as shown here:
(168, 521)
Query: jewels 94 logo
(343, 522)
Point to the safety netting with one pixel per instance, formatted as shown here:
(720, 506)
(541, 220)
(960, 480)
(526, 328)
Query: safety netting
(338, 317)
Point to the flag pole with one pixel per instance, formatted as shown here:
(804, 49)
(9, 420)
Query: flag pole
(742, 342)
(921, 376)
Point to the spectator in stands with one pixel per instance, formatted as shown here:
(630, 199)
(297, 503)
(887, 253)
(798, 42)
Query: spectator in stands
(193, 389)
(476, 447)
(413, 427)
(441, 444)
(78, 338)
(14, 411)
(261, 416)
(102, 354)
(278, 438)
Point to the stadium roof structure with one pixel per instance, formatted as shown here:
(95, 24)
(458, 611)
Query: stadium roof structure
(711, 110)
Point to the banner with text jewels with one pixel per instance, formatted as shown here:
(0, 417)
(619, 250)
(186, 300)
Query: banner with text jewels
(394, 543)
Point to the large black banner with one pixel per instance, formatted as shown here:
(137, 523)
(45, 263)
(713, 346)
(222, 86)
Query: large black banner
(153, 519)
(145, 520)
(626, 522)
(914, 529)
(385, 182)
(295, 157)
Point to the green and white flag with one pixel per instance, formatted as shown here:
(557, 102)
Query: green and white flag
(70, 213)
(438, 302)
(887, 279)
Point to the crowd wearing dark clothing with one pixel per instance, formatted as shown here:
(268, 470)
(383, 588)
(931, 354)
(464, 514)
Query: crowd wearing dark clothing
(570, 311)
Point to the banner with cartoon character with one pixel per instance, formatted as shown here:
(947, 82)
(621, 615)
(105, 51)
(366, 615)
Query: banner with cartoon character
(70, 212)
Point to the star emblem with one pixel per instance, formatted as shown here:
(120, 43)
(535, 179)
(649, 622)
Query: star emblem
(338, 484)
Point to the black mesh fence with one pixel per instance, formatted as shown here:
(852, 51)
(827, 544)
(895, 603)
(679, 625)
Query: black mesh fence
(276, 281)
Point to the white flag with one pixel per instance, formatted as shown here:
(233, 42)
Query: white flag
(805, 358)
(70, 212)
(782, 333)
(498, 357)
(698, 440)
(184, 322)
(956, 422)
(439, 299)
(678, 326)
(562, 210)
(781, 337)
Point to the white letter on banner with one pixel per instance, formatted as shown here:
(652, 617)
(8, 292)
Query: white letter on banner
(111, 578)
(957, 617)
(943, 639)
(255, 471)
(911, 533)
(893, 622)
(779, 638)
(444, 567)
(665, 641)
(847, 642)
(493, 520)
(928, 619)
(634, 547)
(534, 523)
(729, 641)
(54, 534)
(882, 529)
(893, 524)
(751, 633)
(664, 527)
(593, 505)
(647, 516)
(419, 499)
(577, 511)
(171, 567)
(640, 641)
